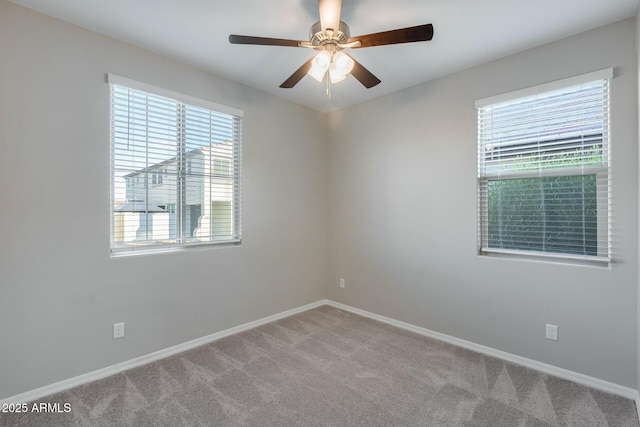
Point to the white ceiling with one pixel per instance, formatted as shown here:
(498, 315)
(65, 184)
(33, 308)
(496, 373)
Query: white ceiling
(466, 33)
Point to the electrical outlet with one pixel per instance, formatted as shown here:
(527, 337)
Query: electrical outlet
(552, 332)
(118, 330)
(342, 283)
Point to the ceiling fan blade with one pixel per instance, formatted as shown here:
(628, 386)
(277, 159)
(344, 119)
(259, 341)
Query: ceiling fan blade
(363, 75)
(297, 75)
(419, 33)
(330, 14)
(265, 41)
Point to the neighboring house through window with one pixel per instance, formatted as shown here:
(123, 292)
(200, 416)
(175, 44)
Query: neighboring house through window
(175, 169)
(543, 170)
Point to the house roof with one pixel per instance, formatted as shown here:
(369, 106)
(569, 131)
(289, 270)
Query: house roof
(190, 154)
(138, 206)
(155, 166)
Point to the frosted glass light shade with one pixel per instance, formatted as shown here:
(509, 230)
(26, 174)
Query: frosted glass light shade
(341, 65)
(335, 75)
(343, 62)
(319, 65)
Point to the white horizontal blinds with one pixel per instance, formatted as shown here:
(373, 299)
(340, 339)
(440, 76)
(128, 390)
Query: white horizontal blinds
(175, 172)
(214, 172)
(543, 170)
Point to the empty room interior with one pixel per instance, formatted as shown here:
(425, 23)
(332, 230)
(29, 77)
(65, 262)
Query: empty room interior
(233, 213)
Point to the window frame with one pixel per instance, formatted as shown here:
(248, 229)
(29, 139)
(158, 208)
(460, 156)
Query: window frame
(235, 177)
(602, 174)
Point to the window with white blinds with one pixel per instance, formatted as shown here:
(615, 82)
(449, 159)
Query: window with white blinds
(175, 170)
(543, 170)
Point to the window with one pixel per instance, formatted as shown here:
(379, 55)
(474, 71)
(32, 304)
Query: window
(169, 154)
(543, 170)
(156, 178)
(222, 168)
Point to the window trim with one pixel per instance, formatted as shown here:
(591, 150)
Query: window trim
(483, 226)
(113, 79)
(604, 74)
(187, 99)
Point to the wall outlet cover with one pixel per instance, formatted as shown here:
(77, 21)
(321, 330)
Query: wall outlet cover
(118, 330)
(552, 332)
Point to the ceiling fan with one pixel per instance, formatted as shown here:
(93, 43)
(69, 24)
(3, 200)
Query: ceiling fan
(330, 37)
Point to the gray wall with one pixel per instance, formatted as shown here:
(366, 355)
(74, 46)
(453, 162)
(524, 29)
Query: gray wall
(391, 182)
(638, 121)
(60, 292)
(402, 217)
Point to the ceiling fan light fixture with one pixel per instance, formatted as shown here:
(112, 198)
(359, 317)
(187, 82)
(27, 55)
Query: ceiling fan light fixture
(336, 77)
(343, 62)
(335, 74)
(319, 65)
(330, 36)
(341, 65)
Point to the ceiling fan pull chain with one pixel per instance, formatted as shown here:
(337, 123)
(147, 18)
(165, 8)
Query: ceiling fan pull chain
(328, 86)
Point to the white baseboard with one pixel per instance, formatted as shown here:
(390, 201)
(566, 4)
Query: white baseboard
(48, 390)
(586, 380)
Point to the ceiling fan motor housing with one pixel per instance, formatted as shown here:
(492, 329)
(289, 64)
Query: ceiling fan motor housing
(319, 38)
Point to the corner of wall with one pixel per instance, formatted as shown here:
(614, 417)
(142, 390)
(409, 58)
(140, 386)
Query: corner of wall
(638, 277)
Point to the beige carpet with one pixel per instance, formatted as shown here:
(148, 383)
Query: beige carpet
(327, 367)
